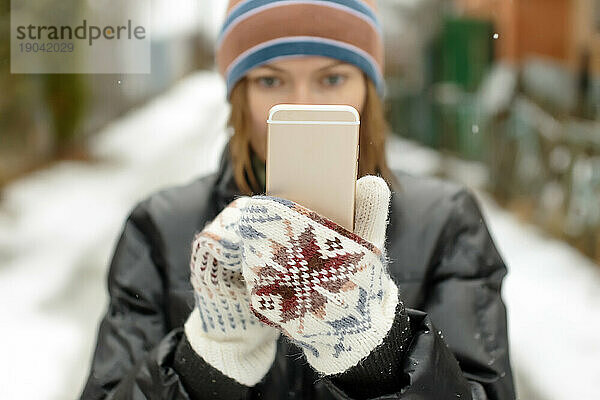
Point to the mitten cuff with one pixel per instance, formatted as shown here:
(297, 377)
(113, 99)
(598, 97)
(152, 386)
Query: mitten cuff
(247, 361)
(360, 340)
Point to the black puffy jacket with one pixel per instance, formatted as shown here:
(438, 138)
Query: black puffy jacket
(443, 260)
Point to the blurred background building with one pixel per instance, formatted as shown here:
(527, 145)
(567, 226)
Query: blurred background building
(503, 95)
(514, 85)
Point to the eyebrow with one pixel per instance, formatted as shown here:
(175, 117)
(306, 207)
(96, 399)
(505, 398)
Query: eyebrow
(320, 69)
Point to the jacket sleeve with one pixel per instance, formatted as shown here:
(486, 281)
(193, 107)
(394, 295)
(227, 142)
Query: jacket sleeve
(464, 354)
(134, 351)
(464, 300)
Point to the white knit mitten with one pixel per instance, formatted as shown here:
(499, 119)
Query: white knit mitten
(221, 328)
(326, 288)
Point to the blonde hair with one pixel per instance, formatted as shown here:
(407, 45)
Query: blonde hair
(373, 131)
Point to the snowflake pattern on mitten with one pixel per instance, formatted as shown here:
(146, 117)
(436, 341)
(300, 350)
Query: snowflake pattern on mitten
(325, 287)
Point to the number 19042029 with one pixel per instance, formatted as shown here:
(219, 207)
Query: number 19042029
(46, 47)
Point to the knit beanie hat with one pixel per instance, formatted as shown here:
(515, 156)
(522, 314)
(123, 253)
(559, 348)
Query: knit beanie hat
(256, 32)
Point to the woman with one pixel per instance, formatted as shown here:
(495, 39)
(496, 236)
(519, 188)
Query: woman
(429, 320)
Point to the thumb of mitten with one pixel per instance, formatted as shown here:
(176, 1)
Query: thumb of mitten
(371, 209)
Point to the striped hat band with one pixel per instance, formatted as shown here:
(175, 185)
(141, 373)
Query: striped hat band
(256, 32)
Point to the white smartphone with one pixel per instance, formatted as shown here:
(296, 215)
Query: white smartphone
(312, 158)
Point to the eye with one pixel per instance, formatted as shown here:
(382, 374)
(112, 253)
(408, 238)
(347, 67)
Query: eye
(268, 81)
(334, 80)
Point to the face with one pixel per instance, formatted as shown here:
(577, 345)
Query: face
(300, 80)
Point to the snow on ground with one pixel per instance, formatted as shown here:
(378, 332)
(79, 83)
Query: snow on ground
(553, 303)
(58, 228)
(551, 290)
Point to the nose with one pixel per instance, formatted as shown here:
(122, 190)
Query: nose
(302, 94)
